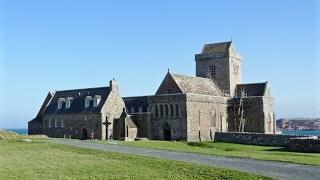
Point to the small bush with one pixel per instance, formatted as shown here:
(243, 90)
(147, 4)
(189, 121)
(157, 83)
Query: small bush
(201, 144)
(230, 149)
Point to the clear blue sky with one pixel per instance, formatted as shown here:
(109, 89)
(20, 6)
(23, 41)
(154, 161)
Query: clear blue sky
(56, 45)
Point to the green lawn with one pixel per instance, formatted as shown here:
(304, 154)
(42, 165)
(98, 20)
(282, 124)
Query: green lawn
(43, 160)
(230, 149)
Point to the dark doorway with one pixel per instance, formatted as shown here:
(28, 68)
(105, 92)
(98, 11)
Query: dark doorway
(167, 135)
(84, 134)
(167, 132)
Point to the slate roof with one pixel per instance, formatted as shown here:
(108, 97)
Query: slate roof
(254, 89)
(196, 85)
(77, 105)
(136, 102)
(216, 47)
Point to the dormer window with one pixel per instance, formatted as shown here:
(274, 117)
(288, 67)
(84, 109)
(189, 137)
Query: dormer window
(87, 101)
(68, 102)
(60, 102)
(96, 100)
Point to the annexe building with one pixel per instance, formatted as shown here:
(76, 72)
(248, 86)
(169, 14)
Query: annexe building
(79, 113)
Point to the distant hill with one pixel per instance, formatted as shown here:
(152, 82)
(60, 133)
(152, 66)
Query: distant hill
(288, 124)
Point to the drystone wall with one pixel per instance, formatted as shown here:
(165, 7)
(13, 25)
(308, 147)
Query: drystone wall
(292, 142)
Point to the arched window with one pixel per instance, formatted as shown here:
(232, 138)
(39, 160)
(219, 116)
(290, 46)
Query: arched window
(161, 110)
(156, 110)
(222, 123)
(140, 109)
(166, 110)
(213, 118)
(132, 110)
(270, 122)
(177, 110)
(171, 110)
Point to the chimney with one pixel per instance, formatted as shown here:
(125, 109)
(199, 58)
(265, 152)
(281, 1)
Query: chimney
(113, 85)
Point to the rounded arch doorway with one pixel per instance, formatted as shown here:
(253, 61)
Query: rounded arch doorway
(84, 134)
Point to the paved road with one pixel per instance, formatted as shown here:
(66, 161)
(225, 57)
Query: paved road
(268, 168)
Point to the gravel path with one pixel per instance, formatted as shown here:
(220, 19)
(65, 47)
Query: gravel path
(278, 170)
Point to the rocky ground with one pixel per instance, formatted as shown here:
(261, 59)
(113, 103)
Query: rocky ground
(298, 124)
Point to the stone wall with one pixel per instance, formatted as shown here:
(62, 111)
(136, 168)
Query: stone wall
(142, 121)
(254, 138)
(35, 126)
(168, 116)
(221, 64)
(235, 69)
(112, 108)
(305, 145)
(73, 126)
(291, 142)
(253, 108)
(206, 115)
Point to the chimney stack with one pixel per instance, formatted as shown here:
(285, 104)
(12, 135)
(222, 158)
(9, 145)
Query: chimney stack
(113, 85)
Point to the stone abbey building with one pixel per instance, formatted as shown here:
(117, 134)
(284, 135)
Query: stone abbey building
(183, 108)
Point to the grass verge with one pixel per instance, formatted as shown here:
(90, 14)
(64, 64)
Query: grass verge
(44, 160)
(230, 149)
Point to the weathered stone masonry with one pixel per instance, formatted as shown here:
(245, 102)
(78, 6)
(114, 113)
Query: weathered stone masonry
(183, 108)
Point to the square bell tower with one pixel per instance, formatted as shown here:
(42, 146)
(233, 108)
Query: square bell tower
(221, 63)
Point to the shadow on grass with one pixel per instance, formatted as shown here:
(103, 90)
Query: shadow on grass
(286, 149)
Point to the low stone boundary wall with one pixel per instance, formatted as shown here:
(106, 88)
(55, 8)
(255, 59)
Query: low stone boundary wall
(305, 145)
(254, 138)
(292, 142)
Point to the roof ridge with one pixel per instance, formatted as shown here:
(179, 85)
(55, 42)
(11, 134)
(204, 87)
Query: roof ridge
(175, 81)
(189, 76)
(253, 83)
(81, 89)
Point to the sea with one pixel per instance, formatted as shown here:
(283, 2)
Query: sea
(295, 132)
(18, 131)
(303, 132)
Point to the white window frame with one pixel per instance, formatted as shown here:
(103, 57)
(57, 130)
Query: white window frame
(87, 101)
(60, 102)
(96, 100)
(68, 102)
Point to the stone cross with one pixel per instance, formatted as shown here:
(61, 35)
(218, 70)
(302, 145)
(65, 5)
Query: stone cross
(106, 123)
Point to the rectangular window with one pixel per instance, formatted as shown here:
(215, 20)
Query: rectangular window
(55, 122)
(96, 100)
(87, 101)
(62, 123)
(68, 102)
(49, 123)
(60, 102)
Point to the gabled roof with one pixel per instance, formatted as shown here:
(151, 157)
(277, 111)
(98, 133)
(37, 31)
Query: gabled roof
(196, 85)
(78, 102)
(254, 89)
(216, 47)
(45, 104)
